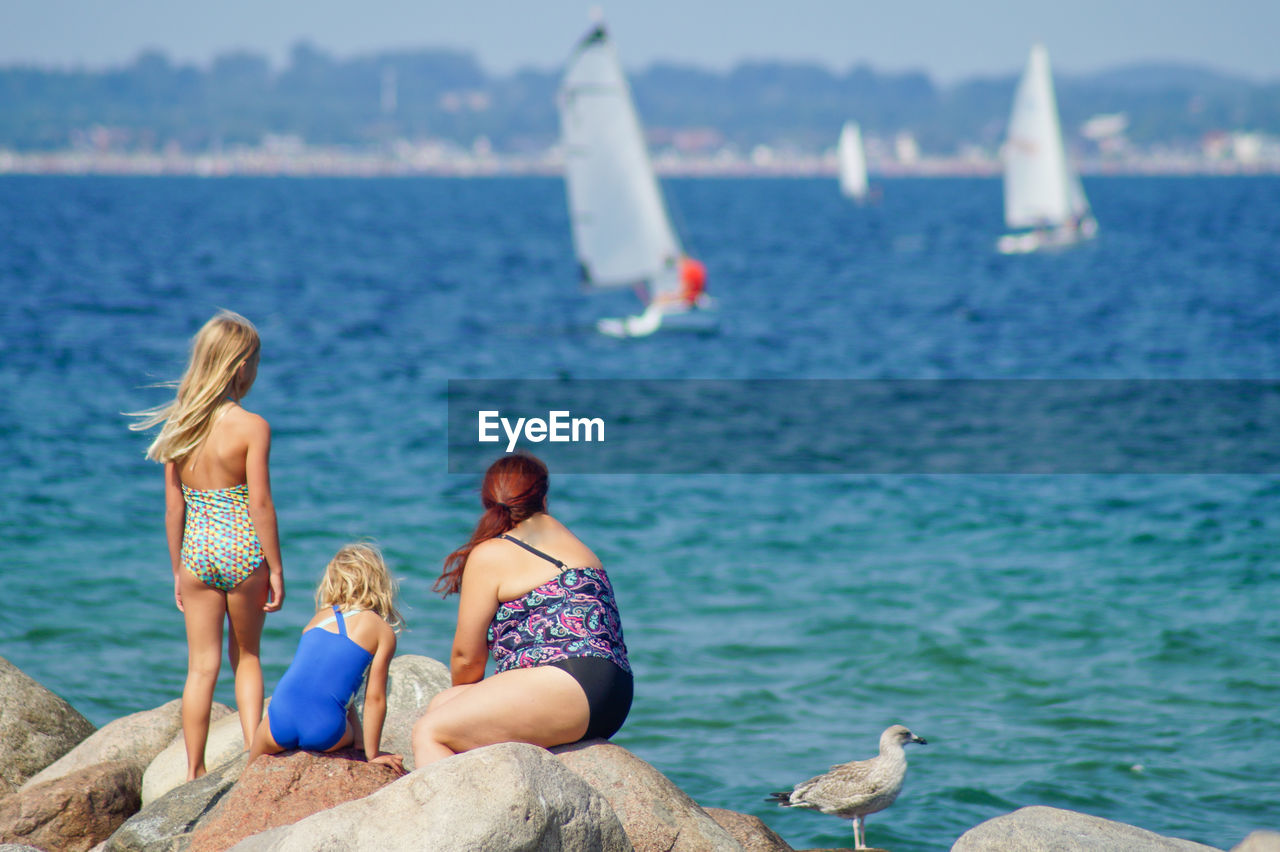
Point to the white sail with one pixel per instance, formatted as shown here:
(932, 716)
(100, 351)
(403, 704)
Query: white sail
(1041, 190)
(621, 230)
(853, 162)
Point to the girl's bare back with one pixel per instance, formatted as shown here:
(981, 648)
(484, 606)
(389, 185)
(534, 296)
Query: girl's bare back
(221, 459)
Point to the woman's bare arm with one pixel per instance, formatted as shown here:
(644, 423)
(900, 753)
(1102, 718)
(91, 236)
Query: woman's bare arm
(477, 602)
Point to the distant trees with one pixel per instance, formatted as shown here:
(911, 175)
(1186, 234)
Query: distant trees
(444, 94)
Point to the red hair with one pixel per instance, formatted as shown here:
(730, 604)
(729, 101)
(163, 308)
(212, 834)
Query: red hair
(514, 488)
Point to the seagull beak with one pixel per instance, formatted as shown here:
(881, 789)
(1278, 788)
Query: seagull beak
(920, 740)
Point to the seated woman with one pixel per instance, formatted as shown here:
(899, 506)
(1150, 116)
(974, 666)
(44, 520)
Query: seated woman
(539, 600)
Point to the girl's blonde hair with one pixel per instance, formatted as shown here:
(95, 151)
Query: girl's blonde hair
(357, 577)
(225, 344)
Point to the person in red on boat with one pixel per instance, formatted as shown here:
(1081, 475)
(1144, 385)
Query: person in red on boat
(693, 284)
(693, 279)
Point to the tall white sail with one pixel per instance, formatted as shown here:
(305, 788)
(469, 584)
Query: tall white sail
(1040, 187)
(621, 230)
(853, 162)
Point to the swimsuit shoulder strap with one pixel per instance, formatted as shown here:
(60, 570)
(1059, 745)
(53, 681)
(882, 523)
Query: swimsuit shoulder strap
(339, 617)
(535, 551)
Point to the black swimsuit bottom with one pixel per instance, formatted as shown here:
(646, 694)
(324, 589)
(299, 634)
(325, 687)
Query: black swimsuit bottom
(608, 687)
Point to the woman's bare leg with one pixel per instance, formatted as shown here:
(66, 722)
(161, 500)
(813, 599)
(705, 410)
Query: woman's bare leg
(447, 695)
(244, 607)
(542, 705)
(203, 610)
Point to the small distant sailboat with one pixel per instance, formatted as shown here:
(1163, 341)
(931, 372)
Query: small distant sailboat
(853, 163)
(622, 233)
(1043, 197)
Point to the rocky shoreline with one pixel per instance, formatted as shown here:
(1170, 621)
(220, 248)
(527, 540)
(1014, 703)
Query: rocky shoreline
(66, 786)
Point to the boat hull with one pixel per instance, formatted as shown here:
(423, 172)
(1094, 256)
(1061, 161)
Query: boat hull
(1047, 239)
(700, 320)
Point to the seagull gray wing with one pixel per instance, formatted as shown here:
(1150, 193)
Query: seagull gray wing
(856, 789)
(835, 788)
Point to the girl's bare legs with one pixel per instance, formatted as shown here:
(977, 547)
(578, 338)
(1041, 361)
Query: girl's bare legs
(263, 742)
(244, 608)
(204, 608)
(355, 728)
(348, 737)
(542, 705)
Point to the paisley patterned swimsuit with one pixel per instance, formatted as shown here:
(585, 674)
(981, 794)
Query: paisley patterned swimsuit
(570, 622)
(219, 544)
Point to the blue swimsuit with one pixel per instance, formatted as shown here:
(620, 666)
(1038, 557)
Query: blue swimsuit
(309, 707)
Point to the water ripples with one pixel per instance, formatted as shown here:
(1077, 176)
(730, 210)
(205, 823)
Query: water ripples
(1107, 643)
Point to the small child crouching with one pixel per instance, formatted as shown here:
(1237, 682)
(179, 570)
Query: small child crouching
(354, 629)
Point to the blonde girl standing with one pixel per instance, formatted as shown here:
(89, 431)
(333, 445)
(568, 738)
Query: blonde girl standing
(353, 631)
(220, 522)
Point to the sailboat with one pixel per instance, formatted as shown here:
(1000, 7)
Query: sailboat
(853, 163)
(622, 231)
(1043, 197)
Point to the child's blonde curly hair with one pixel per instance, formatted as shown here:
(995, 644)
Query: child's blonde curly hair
(357, 577)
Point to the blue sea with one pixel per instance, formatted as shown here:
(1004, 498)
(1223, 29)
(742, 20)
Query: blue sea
(1104, 643)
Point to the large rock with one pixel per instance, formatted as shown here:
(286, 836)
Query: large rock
(169, 768)
(36, 727)
(165, 825)
(656, 814)
(511, 797)
(135, 739)
(411, 684)
(75, 812)
(750, 831)
(1259, 841)
(280, 790)
(1042, 829)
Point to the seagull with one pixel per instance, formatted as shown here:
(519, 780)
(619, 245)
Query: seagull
(853, 790)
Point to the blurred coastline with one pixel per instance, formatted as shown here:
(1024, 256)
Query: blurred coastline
(438, 112)
(1233, 155)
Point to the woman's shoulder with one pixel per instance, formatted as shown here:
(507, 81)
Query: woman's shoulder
(564, 543)
(553, 524)
(488, 563)
(487, 552)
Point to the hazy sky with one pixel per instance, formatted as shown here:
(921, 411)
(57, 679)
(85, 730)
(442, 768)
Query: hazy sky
(951, 39)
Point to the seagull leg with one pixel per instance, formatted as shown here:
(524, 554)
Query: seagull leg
(859, 834)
